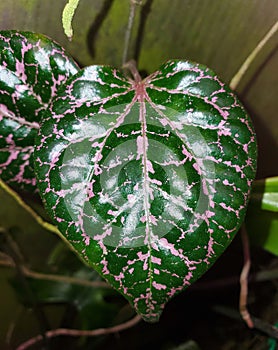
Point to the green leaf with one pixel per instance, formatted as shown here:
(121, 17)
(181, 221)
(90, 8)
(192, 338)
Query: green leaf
(262, 228)
(265, 194)
(262, 214)
(92, 304)
(67, 17)
(32, 67)
(147, 180)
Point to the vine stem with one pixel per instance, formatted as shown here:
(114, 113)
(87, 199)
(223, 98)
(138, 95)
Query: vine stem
(131, 66)
(78, 333)
(249, 60)
(244, 280)
(259, 324)
(132, 10)
(46, 225)
(6, 261)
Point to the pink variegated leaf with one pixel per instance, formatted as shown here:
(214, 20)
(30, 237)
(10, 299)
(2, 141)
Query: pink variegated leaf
(148, 180)
(32, 67)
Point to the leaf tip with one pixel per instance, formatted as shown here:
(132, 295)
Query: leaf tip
(67, 17)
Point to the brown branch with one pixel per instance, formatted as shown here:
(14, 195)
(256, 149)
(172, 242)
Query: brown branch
(78, 333)
(259, 324)
(64, 279)
(7, 262)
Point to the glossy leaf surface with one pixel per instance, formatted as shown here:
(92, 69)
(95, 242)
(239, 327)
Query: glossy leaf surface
(32, 67)
(147, 180)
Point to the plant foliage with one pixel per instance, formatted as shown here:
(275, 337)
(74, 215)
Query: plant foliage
(32, 67)
(148, 180)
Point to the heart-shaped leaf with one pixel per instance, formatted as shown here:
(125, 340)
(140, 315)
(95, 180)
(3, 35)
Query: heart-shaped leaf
(147, 180)
(32, 67)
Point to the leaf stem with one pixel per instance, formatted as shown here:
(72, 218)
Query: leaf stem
(249, 60)
(131, 66)
(132, 10)
(78, 333)
(243, 298)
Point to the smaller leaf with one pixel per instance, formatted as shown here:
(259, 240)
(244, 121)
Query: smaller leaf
(262, 215)
(188, 345)
(265, 193)
(67, 17)
(92, 304)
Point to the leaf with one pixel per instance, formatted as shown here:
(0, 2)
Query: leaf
(67, 17)
(32, 67)
(262, 214)
(262, 228)
(92, 304)
(147, 180)
(265, 194)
